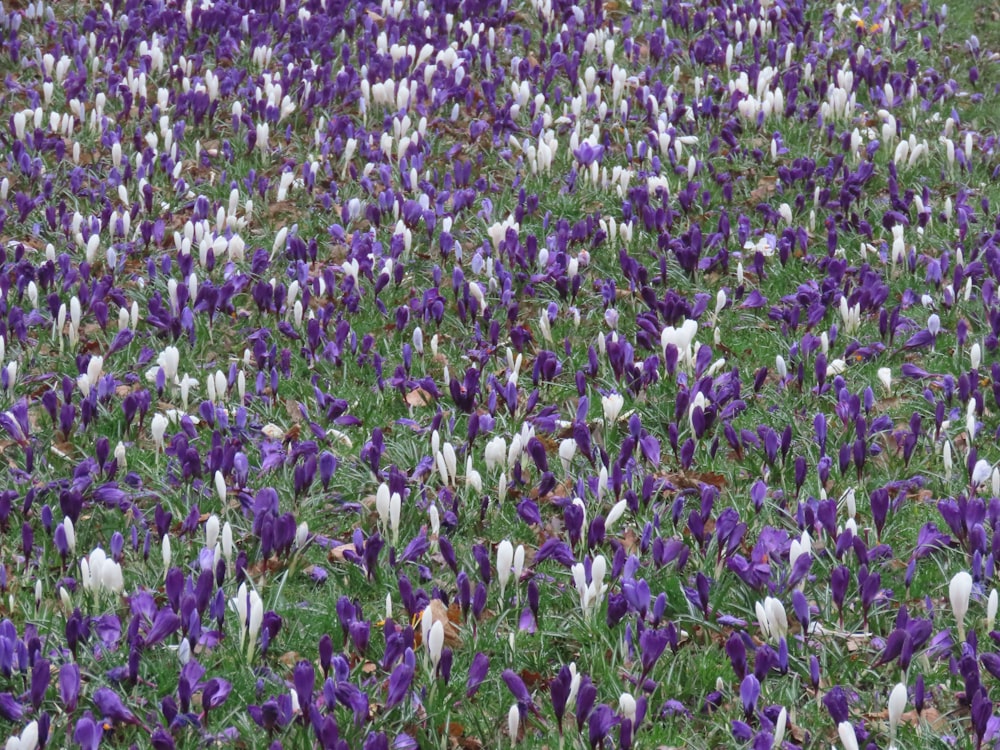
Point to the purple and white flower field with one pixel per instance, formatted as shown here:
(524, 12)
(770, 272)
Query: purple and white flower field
(466, 375)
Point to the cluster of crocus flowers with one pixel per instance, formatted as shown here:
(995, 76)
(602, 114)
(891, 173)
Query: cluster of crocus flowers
(514, 331)
(100, 574)
(249, 608)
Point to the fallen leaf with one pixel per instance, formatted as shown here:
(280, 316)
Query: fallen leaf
(418, 397)
(336, 554)
(930, 714)
(767, 185)
(692, 480)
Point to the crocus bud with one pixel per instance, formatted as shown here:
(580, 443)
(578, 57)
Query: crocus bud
(435, 643)
(779, 728)
(627, 706)
(211, 531)
(473, 479)
(256, 617)
(959, 592)
(382, 504)
(450, 461)
(184, 651)
(395, 506)
(991, 610)
(120, 456)
(505, 558)
(227, 543)
(513, 723)
(220, 489)
(159, 429)
(567, 450)
(897, 702)
(981, 471)
(885, 378)
(847, 737)
(70, 534)
(301, 535)
(781, 367)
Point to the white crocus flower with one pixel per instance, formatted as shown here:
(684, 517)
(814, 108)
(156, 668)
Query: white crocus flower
(382, 496)
(513, 723)
(473, 479)
(158, 427)
(847, 737)
(505, 558)
(959, 592)
(435, 643)
(395, 507)
(612, 405)
(495, 453)
(897, 702)
(567, 450)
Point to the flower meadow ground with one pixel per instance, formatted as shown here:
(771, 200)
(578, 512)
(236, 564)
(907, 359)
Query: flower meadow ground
(460, 374)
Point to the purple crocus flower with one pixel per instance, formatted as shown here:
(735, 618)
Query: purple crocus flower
(559, 689)
(69, 686)
(835, 702)
(519, 690)
(354, 698)
(215, 692)
(586, 695)
(10, 708)
(88, 732)
(40, 678)
(111, 707)
(737, 653)
(165, 624)
(749, 693)
(304, 678)
(602, 719)
(400, 680)
(652, 644)
(161, 739)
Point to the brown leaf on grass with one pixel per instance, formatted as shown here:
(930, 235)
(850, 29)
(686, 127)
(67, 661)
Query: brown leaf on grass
(930, 714)
(767, 185)
(692, 480)
(273, 565)
(336, 554)
(630, 540)
(418, 397)
(293, 410)
(62, 447)
(458, 739)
